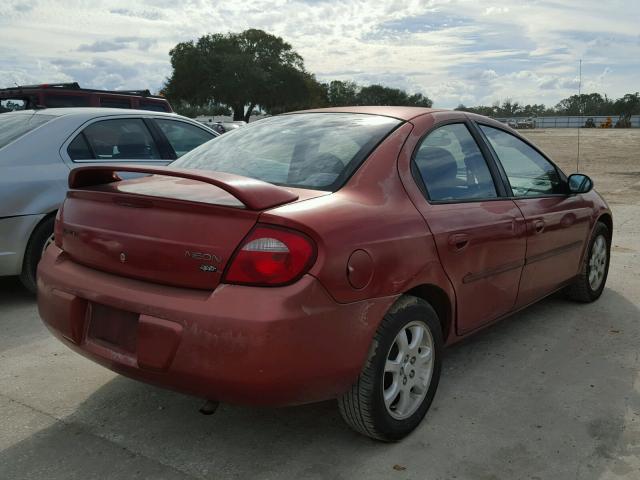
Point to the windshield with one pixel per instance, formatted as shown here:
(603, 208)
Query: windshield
(308, 150)
(13, 126)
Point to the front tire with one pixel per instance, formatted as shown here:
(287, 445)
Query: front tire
(41, 238)
(590, 282)
(401, 374)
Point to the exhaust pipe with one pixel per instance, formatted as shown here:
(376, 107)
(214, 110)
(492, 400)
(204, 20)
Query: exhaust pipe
(209, 407)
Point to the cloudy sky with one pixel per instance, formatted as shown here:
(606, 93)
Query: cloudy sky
(454, 51)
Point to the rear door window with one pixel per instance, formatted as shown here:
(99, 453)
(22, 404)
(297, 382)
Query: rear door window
(183, 136)
(452, 166)
(113, 140)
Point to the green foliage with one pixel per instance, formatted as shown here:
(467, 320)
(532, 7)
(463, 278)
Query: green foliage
(587, 104)
(379, 95)
(507, 108)
(340, 94)
(255, 69)
(241, 70)
(193, 111)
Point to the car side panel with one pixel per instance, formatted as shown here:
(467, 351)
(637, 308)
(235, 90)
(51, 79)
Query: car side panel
(557, 230)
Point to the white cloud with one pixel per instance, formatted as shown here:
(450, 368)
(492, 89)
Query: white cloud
(454, 51)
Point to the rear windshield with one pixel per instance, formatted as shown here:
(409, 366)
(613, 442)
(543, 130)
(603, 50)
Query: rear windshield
(308, 150)
(13, 126)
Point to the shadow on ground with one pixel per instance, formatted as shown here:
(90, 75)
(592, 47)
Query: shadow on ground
(548, 393)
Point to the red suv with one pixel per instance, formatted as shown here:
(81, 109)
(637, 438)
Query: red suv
(55, 95)
(333, 259)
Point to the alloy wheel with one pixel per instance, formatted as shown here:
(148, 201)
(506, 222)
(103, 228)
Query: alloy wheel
(408, 370)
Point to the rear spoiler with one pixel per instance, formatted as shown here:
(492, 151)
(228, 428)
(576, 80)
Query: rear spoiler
(254, 194)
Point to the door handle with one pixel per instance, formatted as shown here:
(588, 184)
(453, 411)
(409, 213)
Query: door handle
(538, 226)
(459, 240)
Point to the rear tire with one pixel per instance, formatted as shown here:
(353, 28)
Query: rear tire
(41, 237)
(413, 369)
(590, 282)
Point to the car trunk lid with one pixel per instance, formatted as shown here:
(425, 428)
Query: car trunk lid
(175, 227)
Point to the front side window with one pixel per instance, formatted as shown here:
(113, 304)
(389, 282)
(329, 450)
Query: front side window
(121, 139)
(15, 125)
(452, 166)
(529, 173)
(308, 150)
(183, 136)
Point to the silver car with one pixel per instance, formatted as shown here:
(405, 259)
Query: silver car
(39, 147)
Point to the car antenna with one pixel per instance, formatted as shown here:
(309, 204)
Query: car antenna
(581, 115)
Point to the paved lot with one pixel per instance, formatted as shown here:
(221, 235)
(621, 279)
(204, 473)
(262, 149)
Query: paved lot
(551, 393)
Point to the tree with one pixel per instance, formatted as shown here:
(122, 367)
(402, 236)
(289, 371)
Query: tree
(340, 94)
(628, 105)
(585, 104)
(379, 95)
(192, 111)
(241, 70)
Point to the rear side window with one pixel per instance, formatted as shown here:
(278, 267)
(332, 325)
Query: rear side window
(55, 101)
(121, 139)
(452, 166)
(309, 150)
(183, 136)
(115, 102)
(79, 149)
(13, 126)
(529, 173)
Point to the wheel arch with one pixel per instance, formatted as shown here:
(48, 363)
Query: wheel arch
(46, 217)
(607, 219)
(441, 303)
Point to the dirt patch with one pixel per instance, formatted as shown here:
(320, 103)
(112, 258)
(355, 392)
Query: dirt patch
(610, 157)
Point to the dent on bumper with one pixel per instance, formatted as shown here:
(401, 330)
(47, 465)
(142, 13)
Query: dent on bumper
(237, 344)
(14, 236)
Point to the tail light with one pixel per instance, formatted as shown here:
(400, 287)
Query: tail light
(271, 256)
(57, 229)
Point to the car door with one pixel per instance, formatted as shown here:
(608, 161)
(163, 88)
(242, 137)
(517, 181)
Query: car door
(110, 140)
(479, 233)
(557, 223)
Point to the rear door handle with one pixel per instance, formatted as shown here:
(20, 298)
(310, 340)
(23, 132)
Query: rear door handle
(459, 240)
(538, 226)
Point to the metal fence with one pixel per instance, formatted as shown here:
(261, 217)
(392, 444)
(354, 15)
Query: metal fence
(567, 122)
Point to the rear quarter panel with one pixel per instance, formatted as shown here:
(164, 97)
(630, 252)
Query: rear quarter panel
(371, 213)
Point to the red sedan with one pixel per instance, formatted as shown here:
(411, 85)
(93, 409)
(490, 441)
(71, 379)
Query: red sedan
(322, 254)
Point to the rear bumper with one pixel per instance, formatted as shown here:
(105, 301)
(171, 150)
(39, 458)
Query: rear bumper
(14, 236)
(246, 345)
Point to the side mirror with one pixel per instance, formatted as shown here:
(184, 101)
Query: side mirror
(579, 183)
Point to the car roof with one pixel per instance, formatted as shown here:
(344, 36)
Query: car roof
(90, 112)
(401, 113)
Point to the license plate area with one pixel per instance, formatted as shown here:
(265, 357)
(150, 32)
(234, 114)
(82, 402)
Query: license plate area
(113, 328)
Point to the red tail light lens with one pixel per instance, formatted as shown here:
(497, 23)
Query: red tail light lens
(271, 256)
(57, 229)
